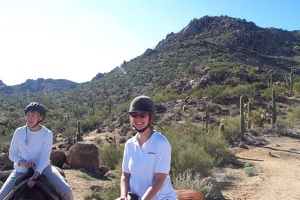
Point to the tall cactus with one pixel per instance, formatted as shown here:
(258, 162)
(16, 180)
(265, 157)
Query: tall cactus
(271, 80)
(291, 82)
(222, 126)
(273, 108)
(249, 110)
(78, 134)
(242, 118)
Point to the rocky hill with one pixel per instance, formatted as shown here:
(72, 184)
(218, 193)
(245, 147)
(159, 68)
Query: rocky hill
(207, 65)
(213, 58)
(201, 43)
(39, 85)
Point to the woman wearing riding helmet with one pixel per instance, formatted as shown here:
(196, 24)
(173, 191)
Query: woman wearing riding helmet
(31, 147)
(147, 156)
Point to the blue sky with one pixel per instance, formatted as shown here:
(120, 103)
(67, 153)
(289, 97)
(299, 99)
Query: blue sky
(76, 39)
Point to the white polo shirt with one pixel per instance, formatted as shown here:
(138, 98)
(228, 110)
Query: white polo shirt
(143, 162)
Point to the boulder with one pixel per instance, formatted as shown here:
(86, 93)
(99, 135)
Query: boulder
(58, 158)
(212, 188)
(83, 154)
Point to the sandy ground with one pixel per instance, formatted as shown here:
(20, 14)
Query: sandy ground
(278, 166)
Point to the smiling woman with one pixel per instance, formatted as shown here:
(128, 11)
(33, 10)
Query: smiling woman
(147, 156)
(30, 148)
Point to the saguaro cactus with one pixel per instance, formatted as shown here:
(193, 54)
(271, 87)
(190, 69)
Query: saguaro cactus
(291, 83)
(249, 110)
(273, 108)
(222, 126)
(78, 134)
(271, 80)
(242, 118)
(206, 118)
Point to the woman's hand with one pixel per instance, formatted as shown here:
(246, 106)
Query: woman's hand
(25, 163)
(121, 198)
(31, 182)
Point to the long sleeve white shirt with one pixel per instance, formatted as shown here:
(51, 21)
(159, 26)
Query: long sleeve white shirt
(31, 146)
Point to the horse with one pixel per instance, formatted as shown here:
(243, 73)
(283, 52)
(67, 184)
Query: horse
(41, 190)
(182, 195)
(189, 195)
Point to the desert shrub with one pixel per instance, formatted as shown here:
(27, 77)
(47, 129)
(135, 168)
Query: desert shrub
(112, 192)
(196, 150)
(234, 81)
(216, 146)
(168, 96)
(192, 156)
(5, 142)
(252, 71)
(250, 170)
(89, 123)
(112, 155)
(296, 88)
(232, 130)
(267, 93)
(219, 70)
(187, 180)
(292, 117)
(212, 91)
(256, 117)
(247, 90)
(94, 196)
(232, 94)
(70, 132)
(227, 175)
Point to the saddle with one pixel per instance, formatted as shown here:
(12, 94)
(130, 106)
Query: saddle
(132, 196)
(42, 190)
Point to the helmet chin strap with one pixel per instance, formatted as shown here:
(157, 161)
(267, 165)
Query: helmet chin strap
(36, 124)
(141, 130)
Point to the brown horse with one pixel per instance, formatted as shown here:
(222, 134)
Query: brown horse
(182, 195)
(41, 190)
(189, 195)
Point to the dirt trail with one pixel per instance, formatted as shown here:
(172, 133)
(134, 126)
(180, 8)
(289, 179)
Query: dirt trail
(278, 166)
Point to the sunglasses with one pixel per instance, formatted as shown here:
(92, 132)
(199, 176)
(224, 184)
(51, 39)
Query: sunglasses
(141, 115)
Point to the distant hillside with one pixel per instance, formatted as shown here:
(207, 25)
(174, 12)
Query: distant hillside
(217, 59)
(203, 43)
(39, 85)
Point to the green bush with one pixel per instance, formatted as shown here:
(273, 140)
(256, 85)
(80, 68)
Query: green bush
(187, 180)
(296, 88)
(196, 150)
(112, 155)
(292, 117)
(112, 192)
(232, 130)
(250, 171)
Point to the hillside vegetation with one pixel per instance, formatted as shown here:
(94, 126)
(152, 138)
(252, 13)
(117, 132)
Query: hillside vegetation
(203, 70)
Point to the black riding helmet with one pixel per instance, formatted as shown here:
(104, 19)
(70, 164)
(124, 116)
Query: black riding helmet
(34, 106)
(142, 104)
